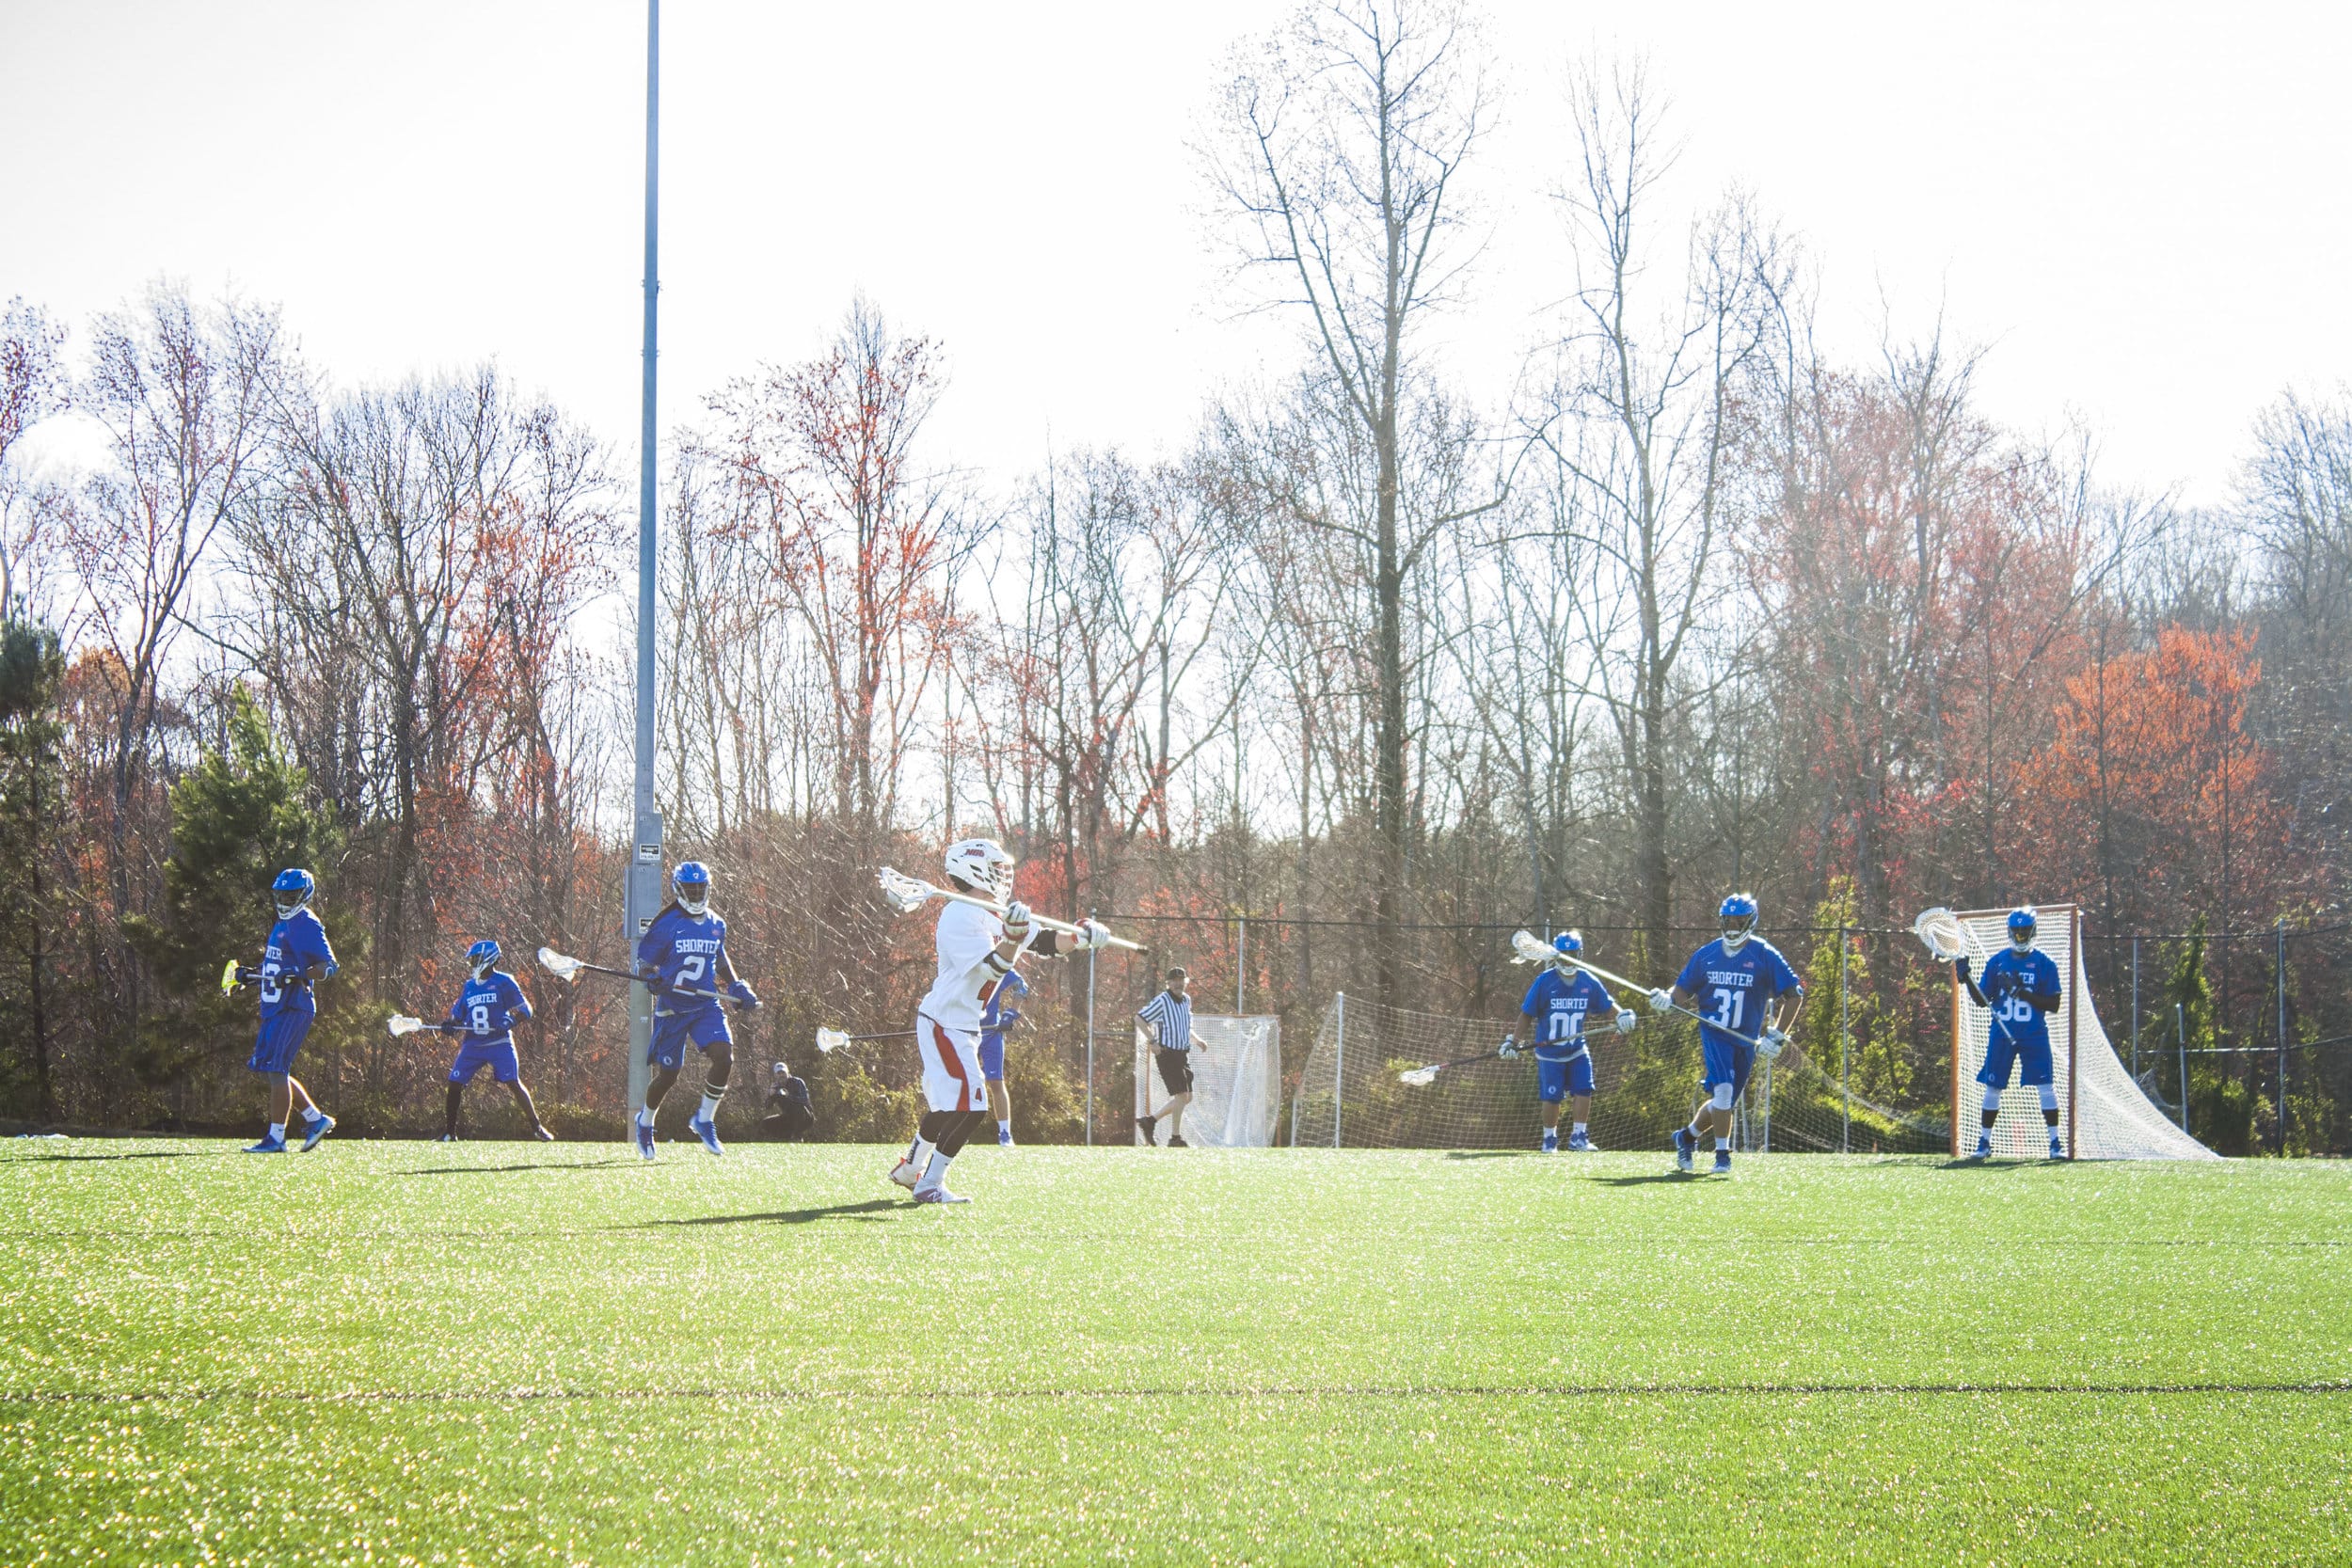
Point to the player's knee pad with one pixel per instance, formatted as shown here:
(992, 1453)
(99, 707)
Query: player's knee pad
(1991, 1098)
(1722, 1096)
(2049, 1097)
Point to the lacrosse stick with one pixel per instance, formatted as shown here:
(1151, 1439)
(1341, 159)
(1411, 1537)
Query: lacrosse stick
(1420, 1077)
(569, 969)
(1532, 949)
(907, 894)
(401, 1023)
(230, 978)
(830, 1040)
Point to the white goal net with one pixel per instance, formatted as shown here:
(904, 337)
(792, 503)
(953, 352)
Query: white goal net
(1352, 1092)
(1236, 1081)
(2105, 1114)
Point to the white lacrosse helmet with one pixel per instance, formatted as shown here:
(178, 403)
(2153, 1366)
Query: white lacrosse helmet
(982, 864)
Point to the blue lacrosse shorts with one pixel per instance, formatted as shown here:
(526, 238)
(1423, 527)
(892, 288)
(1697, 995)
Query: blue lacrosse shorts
(280, 1037)
(705, 1026)
(498, 1055)
(1727, 1061)
(2002, 1054)
(1571, 1076)
(993, 1056)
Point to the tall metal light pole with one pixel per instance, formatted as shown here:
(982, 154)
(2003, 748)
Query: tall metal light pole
(642, 894)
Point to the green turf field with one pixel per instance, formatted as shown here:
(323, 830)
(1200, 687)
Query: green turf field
(509, 1352)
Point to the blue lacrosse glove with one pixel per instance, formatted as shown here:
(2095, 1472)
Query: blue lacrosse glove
(743, 996)
(1960, 966)
(1006, 1019)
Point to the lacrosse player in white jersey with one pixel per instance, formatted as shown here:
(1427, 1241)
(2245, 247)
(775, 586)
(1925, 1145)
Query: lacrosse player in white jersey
(978, 948)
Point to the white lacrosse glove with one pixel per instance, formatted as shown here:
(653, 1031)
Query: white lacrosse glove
(1628, 1021)
(1509, 1048)
(1768, 1044)
(1016, 922)
(1092, 933)
(1662, 1002)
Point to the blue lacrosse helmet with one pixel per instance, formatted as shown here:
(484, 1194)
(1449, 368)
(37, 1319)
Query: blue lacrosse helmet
(1738, 914)
(481, 956)
(690, 885)
(1568, 942)
(292, 890)
(2022, 921)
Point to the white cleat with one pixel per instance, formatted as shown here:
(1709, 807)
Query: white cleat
(905, 1174)
(938, 1194)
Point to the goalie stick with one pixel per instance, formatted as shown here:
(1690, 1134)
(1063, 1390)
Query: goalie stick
(569, 969)
(907, 894)
(1532, 949)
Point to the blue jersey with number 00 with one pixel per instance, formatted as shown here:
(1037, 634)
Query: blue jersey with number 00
(488, 1010)
(684, 951)
(1736, 989)
(1563, 1007)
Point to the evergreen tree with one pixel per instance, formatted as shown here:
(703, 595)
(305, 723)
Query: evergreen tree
(32, 666)
(241, 815)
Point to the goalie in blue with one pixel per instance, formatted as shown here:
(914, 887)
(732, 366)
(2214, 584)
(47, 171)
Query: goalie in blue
(1746, 998)
(1559, 1008)
(483, 1017)
(2021, 987)
(296, 959)
(682, 958)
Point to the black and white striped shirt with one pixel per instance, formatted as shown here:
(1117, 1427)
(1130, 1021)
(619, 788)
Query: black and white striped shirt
(1172, 1017)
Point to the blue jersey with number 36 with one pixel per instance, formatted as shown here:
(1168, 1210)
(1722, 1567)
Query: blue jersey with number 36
(1736, 989)
(2034, 972)
(684, 951)
(488, 1010)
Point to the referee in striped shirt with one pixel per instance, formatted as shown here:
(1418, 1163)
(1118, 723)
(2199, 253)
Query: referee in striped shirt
(1168, 1016)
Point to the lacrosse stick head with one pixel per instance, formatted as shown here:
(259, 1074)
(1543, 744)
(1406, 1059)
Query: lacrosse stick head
(229, 977)
(902, 891)
(401, 1023)
(562, 966)
(1529, 948)
(1943, 933)
(829, 1041)
(1419, 1077)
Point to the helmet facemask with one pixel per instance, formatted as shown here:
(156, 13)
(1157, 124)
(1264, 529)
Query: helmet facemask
(691, 891)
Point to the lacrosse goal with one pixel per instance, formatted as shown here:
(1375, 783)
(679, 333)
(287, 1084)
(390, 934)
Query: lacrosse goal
(1236, 1081)
(2106, 1116)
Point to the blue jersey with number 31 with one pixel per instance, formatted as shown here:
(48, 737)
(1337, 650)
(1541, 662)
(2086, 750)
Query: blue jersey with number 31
(684, 951)
(1736, 989)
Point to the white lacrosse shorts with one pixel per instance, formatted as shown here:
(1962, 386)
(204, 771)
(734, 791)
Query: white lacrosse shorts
(951, 1066)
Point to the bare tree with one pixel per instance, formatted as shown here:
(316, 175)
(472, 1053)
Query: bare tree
(32, 387)
(1640, 425)
(1343, 146)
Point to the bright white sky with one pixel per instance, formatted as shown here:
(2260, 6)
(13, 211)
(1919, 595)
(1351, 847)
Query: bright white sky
(2140, 210)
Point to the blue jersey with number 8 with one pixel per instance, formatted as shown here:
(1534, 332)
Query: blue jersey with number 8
(487, 1012)
(684, 952)
(1736, 989)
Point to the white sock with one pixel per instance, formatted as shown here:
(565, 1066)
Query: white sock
(1004, 1128)
(312, 1113)
(920, 1154)
(1579, 1128)
(710, 1105)
(1723, 1144)
(936, 1175)
(278, 1131)
(645, 1115)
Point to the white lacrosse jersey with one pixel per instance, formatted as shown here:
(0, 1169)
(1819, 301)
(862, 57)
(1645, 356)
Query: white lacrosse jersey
(969, 969)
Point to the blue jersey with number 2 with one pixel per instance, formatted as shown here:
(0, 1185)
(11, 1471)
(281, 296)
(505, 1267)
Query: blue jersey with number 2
(684, 951)
(1736, 989)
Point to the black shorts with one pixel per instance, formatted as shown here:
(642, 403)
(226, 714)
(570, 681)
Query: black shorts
(1175, 1069)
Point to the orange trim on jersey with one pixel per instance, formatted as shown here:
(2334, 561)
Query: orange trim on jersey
(950, 1059)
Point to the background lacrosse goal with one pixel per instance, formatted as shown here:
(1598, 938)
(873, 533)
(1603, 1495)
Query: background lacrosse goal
(1236, 1081)
(1645, 1086)
(2106, 1116)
